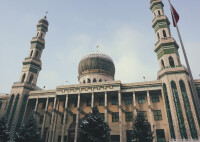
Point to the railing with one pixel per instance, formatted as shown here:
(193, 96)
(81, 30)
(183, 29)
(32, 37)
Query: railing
(24, 83)
(167, 67)
(33, 58)
(184, 140)
(157, 17)
(163, 39)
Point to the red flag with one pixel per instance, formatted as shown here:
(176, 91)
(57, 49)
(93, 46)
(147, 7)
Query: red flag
(176, 16)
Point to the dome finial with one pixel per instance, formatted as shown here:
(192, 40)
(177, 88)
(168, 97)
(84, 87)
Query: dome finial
(97, 48)
(46, 14)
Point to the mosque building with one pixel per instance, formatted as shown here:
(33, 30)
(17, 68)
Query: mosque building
(167, 103)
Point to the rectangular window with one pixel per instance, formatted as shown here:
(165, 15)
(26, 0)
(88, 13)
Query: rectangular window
(160, 135)
(74, 118)
(41, 119)
(129, 137)
(101, 101)
(102, 116)
(144, 113)
(114, 101)
(61, 119)
(115, 117)
(59, 138)
(128, 100)
(88, 102)
(75, 103)
(155, 98)
(65, 138)
(0, 104)
(129, 116)
(66, 119)
(141, 99)
(43, 105)
(115, 138)
(157, 115)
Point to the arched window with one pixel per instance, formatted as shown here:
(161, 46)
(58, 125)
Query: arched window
(100, 80)
(169, 115)
(164, 33)
(31, 78)
(23, 77)
(88, 80)
(162, 63)
(36, 55)
(159, 12)
(94, 80)
(83, 81)
(171, 61)
(158, 36)
(41, 35)
(31, 53)
(188, 110)
(178, 109)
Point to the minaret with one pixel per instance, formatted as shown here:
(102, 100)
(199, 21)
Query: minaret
(180, 109)
(28, 79)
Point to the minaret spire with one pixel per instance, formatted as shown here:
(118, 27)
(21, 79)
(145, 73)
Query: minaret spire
(28, 79)
(180, 119)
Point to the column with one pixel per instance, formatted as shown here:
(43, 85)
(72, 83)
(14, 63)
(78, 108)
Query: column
(150, 112)
(64, 119)
(134, 105)
(77, 119)
(36, 106)
(45, 116)
(106, 106)
(120, 116)
(92, 101)
(52, 119)
(55, 121)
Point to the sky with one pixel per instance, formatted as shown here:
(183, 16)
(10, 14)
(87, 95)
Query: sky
(121, 28)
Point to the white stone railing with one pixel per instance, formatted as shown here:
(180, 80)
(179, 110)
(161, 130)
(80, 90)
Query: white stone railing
(167, 67)
(184, 140)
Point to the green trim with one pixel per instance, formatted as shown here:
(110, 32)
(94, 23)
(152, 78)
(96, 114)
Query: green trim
(31, 63)
(13, 110)
(42, 28)
(188, 111)
(9, 106)
(161, 23)
(179, 112)
(38, 42)
(166, 45)
(165, 51)
(169, 115)
(31, 69)
(159, 3)
(22, 110)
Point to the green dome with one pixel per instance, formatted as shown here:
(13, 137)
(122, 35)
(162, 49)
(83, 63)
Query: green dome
(96, 63)
(44, 21)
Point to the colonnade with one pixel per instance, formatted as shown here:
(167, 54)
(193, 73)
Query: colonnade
(52, 131)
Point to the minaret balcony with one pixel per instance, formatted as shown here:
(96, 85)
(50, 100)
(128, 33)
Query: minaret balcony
(165, 41)
(32, 60)
(41, 40)
(159, 18)
(24, 84)
(172, 70)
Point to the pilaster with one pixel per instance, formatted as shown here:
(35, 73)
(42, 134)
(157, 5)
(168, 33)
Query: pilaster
(64, 119)
(77, 119)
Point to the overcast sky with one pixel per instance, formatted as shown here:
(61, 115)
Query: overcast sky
(122, 29)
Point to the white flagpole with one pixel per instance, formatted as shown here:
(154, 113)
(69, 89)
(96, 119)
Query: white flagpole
(195, 95)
